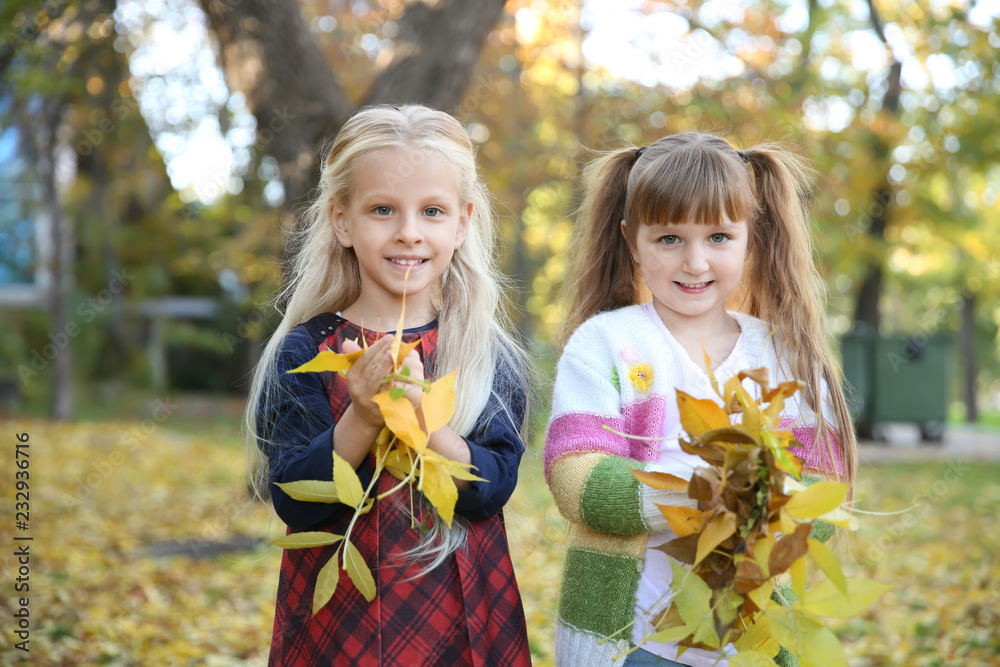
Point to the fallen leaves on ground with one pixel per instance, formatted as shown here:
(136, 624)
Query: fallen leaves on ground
(98, 598)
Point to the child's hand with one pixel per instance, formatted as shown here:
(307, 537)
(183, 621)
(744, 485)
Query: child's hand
(364, 379)
(414, 392)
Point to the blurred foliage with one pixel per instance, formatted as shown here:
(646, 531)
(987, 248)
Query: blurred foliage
(538, 110)
(126, 490)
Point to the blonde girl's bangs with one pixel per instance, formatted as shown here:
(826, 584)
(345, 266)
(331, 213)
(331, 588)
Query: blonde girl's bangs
(696, 182)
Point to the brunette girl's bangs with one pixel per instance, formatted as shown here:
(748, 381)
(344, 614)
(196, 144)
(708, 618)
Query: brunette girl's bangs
(697, 183)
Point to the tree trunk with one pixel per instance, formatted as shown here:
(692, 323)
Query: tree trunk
(269, 55)
(969, 356)
(867, 310)
(60, 264)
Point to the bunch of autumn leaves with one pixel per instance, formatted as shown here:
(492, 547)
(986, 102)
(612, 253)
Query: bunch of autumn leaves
(400, 448)
(753, 524)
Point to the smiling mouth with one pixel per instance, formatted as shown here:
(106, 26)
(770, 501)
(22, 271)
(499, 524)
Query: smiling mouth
(406, 262)
(694, 285)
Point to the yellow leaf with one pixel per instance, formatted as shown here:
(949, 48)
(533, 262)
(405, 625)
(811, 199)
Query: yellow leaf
(326, 583)
(439, 489)
(693, 599)
(751, 659)
(683, 520)
(398, 462)
(699, 415)
(328, 361)
(762, 549)
(310, 490)
(358, 571)
(661, 480)
(711, 374)
(306, 540)
(438, 404)
(401, 419)
(672, 635)
(821, 648)
(454, 468)
(717, 530)
(818, 499)
(828, 562)
(825, 600)
(397, 341)
(758, 638)
(348, 485)
(403, 350)
(751, 414)
(798, 572)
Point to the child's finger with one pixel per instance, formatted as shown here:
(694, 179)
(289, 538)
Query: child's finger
(350, 346)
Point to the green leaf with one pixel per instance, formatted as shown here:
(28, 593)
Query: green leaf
(396, 393)
(326, 583)
(306, 540)
(348, 485)
(358, 571)
(310, 490)
(405, 372)
(693, 599)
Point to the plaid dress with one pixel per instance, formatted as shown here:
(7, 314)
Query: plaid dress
(466, 611)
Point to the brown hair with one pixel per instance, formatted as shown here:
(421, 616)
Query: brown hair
(698, 177)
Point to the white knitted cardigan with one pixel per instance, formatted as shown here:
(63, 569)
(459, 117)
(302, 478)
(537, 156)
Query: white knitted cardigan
(602, 380)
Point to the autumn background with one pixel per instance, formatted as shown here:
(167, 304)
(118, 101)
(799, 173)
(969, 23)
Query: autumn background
(153, 154)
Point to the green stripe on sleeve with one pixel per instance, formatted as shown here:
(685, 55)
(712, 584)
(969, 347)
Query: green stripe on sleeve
(598, 592)
(611, 501)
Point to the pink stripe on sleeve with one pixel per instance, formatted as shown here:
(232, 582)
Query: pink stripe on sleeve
(812, 452)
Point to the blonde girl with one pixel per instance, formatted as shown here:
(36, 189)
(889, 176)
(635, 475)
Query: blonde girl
(684, 245)
(398, 194)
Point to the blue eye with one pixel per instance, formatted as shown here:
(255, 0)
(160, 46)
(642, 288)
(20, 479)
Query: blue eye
(382, 210)
(718, 238)
(669, 239)
(432, 211)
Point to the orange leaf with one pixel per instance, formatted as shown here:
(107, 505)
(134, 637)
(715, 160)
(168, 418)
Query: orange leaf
(717, 530)
(328, 361)
(401, 419)
(683, 520)
(438, 404)
(699, 415)
(660, 480)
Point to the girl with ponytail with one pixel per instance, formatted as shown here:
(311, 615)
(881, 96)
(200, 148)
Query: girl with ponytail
(682, 246)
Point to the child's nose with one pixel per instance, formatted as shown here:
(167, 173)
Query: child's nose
(695, 261)
(408, 231)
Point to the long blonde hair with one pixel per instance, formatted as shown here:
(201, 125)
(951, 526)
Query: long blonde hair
(693, 176)
(470, 295)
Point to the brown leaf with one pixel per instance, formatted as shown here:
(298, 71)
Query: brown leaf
(700, 488)
(749, 577)
(789, 548)
(682, 549)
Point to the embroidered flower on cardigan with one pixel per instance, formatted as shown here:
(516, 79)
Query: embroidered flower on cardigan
(629, 353)
(641, 375)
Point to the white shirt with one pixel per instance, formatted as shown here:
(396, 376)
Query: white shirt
(654, 580)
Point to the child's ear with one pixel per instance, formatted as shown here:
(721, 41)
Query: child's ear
(631, 249)
(464, 220)
(339, 220)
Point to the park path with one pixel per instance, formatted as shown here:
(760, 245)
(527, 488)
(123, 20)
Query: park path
(961, 442)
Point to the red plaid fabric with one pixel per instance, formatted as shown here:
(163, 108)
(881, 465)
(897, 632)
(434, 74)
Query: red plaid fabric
(467, 611)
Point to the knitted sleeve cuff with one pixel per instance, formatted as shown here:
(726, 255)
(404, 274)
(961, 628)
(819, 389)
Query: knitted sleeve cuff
(651, 514)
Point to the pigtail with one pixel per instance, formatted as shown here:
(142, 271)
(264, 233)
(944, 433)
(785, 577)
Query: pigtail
(602, 275)
(782, 285)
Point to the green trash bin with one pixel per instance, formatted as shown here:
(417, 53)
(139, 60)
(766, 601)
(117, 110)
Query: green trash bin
(897, 379)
